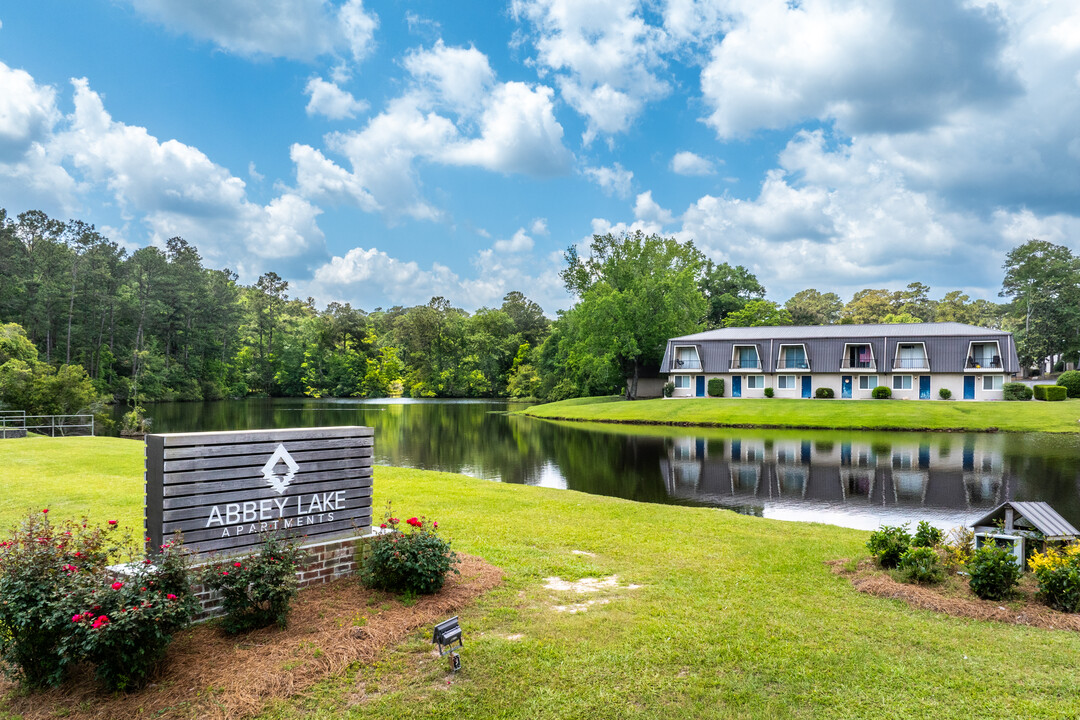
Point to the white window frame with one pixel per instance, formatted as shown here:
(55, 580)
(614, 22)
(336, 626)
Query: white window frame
(998, 380)
(865, 384)
(781, 382)
(901, 379)
(682, 377)
(925, 356)
(780, 355)
(755, 382)
(757, 351)
(971, 354)
(675, 358)
(873, 358)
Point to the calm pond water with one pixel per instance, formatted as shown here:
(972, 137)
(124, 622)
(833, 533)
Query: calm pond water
(854, 479)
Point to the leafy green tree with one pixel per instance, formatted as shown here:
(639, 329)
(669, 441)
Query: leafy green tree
(528, 317)
(758, 313)
(812, 307)
(635, 292)
(898, 318)
(728, 289)
(1043, 281)
(869, 306)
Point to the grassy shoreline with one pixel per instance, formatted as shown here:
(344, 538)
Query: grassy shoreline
(710, 614)
(920, 416)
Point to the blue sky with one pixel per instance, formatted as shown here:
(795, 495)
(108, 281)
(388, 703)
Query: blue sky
(385, 152)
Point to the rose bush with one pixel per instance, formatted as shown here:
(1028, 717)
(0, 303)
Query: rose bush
(414, 560)
(258, 589)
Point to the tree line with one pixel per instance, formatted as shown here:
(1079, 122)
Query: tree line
(156, 324)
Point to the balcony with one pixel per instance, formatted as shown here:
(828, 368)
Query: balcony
(688, 364)
(793, 364)
(738, 364)
(984, 361)
(849, 364)
(911, 363)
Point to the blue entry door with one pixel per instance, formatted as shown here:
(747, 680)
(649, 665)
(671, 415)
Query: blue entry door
(924, 387)
(806, 386)
(969, 387)
(736, 386)
(700, 386)
(845, 387)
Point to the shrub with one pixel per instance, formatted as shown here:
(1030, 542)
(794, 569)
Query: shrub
(824, 393)
(123, 624)
(945, 393)
(926, 535)
(1050, 392)
(1016, 391)
(669, 388)
(256, 590)
(994, 572)
(41, 563)
(769, 392)
(1071, 382)
(716, 387)
(921, 565)
(960, 545)
(1058, 574)
(414, 560)
(881, 392)
(888, 543)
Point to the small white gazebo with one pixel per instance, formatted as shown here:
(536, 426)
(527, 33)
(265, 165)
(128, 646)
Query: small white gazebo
(1011, 524)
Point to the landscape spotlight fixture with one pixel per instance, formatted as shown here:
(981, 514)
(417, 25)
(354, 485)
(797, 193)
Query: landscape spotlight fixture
(446, 634)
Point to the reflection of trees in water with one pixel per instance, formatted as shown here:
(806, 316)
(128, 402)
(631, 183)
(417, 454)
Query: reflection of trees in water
(735, 467)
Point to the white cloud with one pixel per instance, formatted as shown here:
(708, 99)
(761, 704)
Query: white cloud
(518, 134)
(27, 112)
(893, 66)
(614, 180)
(255, 174)
(603, 54)
(648, 210)
(504, 127)
(539, 226)
(688, 163)
(299, 29)
(330, 100)
(520, 242)
(460, 77)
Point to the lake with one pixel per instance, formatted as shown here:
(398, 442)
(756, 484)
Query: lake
(853, 479)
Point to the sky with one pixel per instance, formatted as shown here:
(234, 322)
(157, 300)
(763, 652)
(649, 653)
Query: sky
(384, 152)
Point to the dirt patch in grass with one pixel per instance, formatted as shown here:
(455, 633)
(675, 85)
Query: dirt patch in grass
(953, 597)
(207, 674)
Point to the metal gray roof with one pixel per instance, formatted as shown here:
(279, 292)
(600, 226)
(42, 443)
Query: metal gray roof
(1042, 517)
(795, 332)
(947, 345)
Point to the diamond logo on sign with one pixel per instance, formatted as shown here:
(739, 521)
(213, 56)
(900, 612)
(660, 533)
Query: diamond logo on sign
(280, 482)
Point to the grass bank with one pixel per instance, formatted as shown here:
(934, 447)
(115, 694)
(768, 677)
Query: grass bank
(710, 614)
(822, 414)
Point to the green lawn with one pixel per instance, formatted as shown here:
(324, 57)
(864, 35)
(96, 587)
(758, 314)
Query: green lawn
(1029, 416)
(734, 616)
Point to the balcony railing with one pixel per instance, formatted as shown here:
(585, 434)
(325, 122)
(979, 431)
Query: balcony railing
(849, 364)
(688, 364)
(738, 364)
(984, 362)
(793, 364)
(918, 363)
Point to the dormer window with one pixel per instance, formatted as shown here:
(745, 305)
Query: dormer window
(745, 357)
(984, 355)
(793, 357)
(858, 356)
(686, 358)
(911, 356)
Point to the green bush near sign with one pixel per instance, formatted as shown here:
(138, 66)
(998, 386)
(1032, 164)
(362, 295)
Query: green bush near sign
(257, 589)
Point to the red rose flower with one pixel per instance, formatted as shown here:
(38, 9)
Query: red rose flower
(171, 596)
(117, 585)
(112, 522)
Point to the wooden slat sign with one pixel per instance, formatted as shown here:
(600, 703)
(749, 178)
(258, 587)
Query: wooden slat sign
(224, 491)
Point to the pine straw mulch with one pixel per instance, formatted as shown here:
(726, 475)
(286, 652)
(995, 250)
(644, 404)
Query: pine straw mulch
(207, 674)
(955, 598)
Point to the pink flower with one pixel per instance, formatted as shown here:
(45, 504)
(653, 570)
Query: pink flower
(236, 564)
(101, 621)
(45, 511)
(76, 618)
(436, 525)
(171, 596)
(415, 522)
(383, 526)
(112, 522)
(117, 585)
(225, 573)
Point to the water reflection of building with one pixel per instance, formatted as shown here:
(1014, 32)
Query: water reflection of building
(891, 478)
